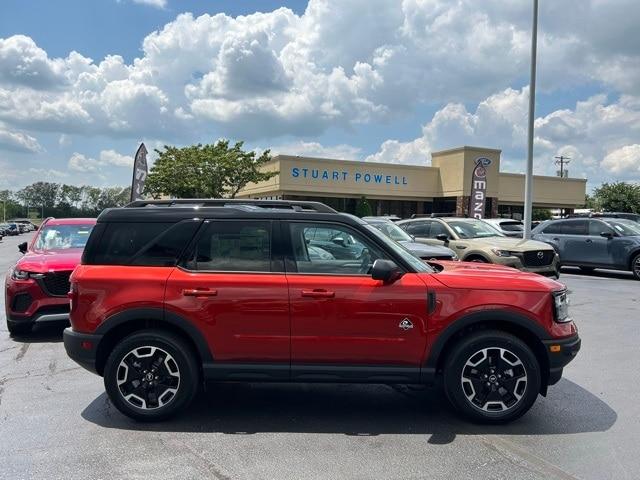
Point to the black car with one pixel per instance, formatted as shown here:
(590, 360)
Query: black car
(590, 243)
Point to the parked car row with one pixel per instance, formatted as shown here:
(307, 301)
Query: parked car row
(172, 294)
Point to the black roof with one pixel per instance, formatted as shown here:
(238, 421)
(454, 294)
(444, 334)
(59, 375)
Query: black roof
(176, 210)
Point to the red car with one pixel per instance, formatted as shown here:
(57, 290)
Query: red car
(37, 286)
(171, 294)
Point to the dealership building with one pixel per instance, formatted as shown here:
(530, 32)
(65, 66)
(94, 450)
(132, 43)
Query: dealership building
(446, 186)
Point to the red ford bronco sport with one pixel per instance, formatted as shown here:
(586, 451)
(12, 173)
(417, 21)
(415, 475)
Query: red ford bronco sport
(174, 293)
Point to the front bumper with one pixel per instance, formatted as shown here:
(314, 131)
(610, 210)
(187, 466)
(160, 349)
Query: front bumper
(82, 348)
(560, 353)
(516, 261)
(26, 303)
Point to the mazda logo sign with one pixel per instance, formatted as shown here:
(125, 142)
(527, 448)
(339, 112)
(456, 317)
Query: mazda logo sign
(540, 255)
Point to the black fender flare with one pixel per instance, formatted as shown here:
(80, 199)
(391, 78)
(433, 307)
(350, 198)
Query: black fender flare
(159, 315)
(486, 316)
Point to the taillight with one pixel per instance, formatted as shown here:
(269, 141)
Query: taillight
(73, 294)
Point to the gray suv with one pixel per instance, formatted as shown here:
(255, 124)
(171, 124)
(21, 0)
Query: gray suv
(590, 243)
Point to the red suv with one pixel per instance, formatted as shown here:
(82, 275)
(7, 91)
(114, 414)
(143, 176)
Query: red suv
(174, 293)
(37, 286)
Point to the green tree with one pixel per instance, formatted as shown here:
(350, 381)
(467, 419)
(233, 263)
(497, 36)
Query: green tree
(205, 171)
(618, 197)
(363, 208)
(540, 214)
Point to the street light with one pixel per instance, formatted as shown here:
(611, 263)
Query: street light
(528, 182)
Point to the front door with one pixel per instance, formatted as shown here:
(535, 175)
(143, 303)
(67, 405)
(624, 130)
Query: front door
(230, 287)
(343, 319)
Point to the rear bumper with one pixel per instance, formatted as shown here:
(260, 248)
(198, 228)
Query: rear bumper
(82, 348)
(560, 353)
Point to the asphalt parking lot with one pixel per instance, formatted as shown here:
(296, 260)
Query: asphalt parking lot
(56, 421)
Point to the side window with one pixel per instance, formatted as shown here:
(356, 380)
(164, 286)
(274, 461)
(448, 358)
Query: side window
(576, 227)
(419, 229)
(331, 249)
(121, 242)
(165, 250)
(596, 228)
(554, 228)
(233, 246)
(436, 229)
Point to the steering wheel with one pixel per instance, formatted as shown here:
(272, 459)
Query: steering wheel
(365, 257)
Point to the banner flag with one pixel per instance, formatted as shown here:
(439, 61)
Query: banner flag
(478, 198)
(139, 173)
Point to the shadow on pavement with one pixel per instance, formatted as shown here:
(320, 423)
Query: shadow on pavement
(50, 333)
(618, 274)
(359, 410)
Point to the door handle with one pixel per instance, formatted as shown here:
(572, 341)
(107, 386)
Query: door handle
(199, 292)
(317, 293)
(555, 239)
(588, 240)
(460, 247)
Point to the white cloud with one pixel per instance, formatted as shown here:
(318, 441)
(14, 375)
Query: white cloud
(597, 135)
(47, 173)
(624, 160)
(107, 158)
(18, 141)
(111, 157)
(152, 3)
(315, 149)
(80, 163)
(337, 65)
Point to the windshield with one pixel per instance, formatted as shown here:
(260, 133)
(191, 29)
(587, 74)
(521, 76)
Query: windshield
(402, 252)
(625, 228)
(470, 228)
(512, 226)
(62, 237)
(393, 231)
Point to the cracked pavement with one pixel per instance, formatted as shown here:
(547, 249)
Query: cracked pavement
(57, 423)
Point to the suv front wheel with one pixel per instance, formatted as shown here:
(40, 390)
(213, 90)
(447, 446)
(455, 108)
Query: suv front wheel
(492, 377)
(151, 375)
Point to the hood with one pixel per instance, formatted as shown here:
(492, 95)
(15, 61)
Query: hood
(50, 261)
(425, 250)
(482, 276)
(510, 243)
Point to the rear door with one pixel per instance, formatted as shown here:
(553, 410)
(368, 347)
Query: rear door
(601, 248)
(233, 287)
(341, 318)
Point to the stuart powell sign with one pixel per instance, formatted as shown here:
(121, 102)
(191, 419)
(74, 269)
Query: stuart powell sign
(139, 173)
(479, 188)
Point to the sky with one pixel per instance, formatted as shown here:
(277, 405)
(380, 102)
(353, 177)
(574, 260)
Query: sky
(82, 83)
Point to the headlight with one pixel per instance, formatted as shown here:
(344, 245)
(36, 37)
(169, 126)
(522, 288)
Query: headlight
(18, 274)
(561, 306)
(501, 253)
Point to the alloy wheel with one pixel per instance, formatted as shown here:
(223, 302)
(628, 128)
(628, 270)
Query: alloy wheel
(148, 377)
(494, 379)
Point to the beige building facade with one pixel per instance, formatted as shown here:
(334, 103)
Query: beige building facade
(403, 190)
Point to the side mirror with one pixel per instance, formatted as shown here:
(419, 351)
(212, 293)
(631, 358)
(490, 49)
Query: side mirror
(385, 270)
(23, 247)
(338, 241)
(443, 237)
(608, 235)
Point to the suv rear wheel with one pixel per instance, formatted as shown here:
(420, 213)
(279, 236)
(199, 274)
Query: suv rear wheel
(151, 375)
(492, 377)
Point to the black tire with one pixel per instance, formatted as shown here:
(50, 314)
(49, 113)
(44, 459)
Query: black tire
(587, 269)
(635, 266)
(18, 328)
(517, 400)
(174, 364)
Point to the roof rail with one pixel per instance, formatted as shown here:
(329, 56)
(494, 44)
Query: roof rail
(298, 206)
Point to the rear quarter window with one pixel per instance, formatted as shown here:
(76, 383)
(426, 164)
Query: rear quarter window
(141, 243)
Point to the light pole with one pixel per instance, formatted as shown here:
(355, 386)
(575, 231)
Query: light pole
(528, 182)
